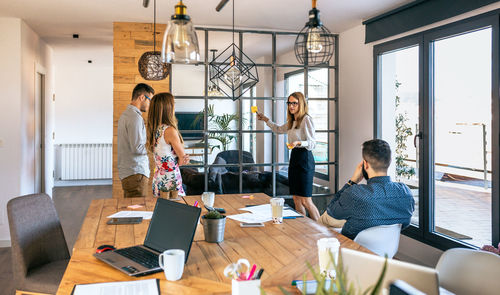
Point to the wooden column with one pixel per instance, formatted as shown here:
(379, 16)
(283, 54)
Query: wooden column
(130, 41)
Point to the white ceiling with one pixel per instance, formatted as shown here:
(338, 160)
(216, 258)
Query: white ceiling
(56, 20)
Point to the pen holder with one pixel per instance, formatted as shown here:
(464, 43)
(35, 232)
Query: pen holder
(251, 287)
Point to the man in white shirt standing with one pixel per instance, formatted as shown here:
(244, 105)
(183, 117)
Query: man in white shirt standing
(133, 163)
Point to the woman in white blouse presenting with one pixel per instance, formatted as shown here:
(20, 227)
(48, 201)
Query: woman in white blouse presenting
(301, 140)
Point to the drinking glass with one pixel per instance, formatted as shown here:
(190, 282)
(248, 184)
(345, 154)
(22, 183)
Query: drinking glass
(277, 210)
(208, 198)
(328, 248)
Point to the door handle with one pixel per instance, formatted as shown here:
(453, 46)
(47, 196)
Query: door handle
(419, 135)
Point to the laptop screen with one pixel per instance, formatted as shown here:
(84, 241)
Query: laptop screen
(172, 226)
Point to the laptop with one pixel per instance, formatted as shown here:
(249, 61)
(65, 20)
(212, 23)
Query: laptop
(172, 226)
(364, 269)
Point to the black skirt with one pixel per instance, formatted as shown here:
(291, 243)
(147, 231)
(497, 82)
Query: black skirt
(301, 172)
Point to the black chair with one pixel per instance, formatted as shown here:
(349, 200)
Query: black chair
(39, 251)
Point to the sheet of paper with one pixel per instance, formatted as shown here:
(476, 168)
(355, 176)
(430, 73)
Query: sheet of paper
(265, 210)
(144, 214)
(250, 217)
(290, 212)
(142, 287)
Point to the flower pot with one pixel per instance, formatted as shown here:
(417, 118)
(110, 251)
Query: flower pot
(214, 229)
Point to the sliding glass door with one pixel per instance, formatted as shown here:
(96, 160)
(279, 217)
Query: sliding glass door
(398, 74)
(461, 98)
(436, 103)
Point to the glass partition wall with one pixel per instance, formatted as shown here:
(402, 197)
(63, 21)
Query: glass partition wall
(231, 151)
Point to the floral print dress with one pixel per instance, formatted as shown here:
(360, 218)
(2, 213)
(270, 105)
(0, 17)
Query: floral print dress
(167, 175)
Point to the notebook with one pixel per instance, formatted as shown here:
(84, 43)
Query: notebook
(172, 226)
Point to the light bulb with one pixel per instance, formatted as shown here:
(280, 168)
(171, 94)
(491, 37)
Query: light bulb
(313, 43)
(181, 39)
(233, 75)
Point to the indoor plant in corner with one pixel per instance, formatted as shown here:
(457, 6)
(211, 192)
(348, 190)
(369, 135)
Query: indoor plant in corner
(214, 225)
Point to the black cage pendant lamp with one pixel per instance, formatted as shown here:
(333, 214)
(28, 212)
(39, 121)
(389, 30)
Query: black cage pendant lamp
(314, 44)
(180, 42)
(151, 66)
(233, 71)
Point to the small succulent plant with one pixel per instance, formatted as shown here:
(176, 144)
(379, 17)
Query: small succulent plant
(213, 215)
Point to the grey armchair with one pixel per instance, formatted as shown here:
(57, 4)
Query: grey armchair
(39, 251)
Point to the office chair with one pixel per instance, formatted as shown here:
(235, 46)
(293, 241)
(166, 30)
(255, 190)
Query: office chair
(39, 251)
(467, 271)
(382, 239)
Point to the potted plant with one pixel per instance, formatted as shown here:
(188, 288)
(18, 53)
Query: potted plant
(219, 122)
(214, 225)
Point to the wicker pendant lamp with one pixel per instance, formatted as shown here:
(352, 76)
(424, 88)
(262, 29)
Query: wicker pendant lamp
(151, 66)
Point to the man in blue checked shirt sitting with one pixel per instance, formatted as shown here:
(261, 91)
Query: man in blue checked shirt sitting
(378, 202)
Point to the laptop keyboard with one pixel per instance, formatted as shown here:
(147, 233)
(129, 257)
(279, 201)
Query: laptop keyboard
(140, 255)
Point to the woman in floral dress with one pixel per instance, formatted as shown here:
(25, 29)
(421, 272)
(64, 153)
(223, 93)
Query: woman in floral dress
(167, 145)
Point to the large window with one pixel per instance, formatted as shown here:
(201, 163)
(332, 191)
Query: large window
(318, 107)
(437, 105)
(236, 153)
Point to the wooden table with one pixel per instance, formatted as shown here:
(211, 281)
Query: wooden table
(282, 250)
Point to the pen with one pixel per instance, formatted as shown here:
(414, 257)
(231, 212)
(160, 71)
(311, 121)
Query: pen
(289, 217)
(252, 271)
(259, 274)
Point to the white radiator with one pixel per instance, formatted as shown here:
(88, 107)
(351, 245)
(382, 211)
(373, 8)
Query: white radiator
(86, 161)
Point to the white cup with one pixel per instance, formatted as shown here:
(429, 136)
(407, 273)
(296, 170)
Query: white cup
(325, 247)
(172, 263)
(208, 198)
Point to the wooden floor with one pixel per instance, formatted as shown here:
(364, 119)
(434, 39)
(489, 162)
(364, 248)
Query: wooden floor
(71, 205)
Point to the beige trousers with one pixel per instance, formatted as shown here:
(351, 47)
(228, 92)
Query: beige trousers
(329, 221)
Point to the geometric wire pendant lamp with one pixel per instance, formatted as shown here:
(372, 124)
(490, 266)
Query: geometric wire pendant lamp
(180, 42)
(233, 71)
(314, 44)
(150, 65)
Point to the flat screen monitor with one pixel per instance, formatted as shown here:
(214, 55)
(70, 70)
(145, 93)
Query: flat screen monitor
(187, 122)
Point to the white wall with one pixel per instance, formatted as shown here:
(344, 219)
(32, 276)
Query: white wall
(84, 94)
(356, 113)
(10, 82)
(36, 55)
(19, 57)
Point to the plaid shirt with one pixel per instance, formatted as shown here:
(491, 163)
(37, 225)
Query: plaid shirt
(379, 202)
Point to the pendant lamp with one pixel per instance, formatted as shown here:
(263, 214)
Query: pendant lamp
(314, 44)
(150, 64)
(180, 42)
(233, 71)
(213, 87)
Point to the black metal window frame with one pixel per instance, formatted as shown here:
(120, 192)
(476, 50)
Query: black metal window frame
(323, 176)
(424, 232)
(274, 98)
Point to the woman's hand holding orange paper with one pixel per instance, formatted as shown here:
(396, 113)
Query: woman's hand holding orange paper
(293, 144)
